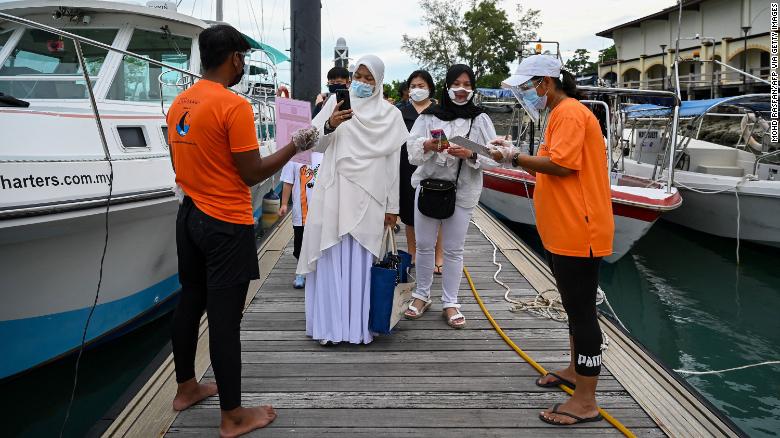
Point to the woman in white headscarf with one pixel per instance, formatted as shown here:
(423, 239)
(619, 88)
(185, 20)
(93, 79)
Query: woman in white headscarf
(356, 196)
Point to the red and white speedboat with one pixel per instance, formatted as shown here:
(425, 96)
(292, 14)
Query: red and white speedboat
(510, 192)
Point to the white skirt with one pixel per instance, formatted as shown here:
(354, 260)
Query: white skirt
(338, 294)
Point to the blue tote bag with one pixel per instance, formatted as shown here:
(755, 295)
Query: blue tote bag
(390, 289)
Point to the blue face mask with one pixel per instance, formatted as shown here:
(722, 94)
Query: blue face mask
(532, 99)
(361, 89)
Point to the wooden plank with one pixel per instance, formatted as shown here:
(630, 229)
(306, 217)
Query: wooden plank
(516, 368)
(413, 399)
(465, 419)
(350, 357)
(424, 380)
(387, 344)
(403, 432)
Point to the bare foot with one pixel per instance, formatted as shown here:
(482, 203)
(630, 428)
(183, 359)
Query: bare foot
(571, 407)
(191, 392)
(566, 373)
(241, 420)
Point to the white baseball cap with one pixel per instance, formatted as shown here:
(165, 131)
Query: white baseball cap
(536, 65)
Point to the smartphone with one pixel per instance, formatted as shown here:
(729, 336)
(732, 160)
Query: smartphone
(343, 96)
(439, 135)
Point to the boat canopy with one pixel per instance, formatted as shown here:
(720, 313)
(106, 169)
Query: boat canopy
(757, 103)
(496, 93)
(276, 55)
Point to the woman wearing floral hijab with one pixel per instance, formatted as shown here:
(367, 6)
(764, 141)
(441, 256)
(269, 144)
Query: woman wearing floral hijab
(356, 196)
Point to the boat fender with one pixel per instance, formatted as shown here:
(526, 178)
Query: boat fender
(271, 204)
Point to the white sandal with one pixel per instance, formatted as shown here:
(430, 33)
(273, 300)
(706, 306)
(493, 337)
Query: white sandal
(451, 320)
(417, 312)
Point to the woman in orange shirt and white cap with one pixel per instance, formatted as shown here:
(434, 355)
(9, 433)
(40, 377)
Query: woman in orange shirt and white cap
(573, 216)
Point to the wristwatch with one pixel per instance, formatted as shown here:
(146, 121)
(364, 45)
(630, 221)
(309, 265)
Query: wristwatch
(473, 156)
(328, 127)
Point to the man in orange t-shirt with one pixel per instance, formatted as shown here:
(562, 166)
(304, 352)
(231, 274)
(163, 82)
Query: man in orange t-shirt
(574, 218)
(215, 156)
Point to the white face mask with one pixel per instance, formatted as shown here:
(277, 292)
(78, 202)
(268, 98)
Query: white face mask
(419, 94)
(451, 92)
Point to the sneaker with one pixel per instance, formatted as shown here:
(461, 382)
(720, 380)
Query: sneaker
(299, 282)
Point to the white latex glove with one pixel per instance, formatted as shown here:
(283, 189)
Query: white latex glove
(501, 150)
(306, 138)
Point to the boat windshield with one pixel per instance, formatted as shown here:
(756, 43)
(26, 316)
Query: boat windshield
(45, 66)
(137, 80)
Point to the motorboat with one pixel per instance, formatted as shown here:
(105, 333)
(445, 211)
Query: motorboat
(730, 190)
(87, 199)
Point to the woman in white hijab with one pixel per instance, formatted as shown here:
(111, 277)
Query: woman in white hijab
(356, 194)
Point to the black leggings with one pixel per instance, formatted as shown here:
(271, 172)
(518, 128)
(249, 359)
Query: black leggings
(577, 279)
(217, 260)
(224, 307)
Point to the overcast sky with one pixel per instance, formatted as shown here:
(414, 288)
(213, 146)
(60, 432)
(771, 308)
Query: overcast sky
(373, 26)
(376, 27)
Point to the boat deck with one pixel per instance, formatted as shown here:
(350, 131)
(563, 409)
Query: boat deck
(426, 379)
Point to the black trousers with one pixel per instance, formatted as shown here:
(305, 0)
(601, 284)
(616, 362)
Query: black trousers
(577, 279)
(217, 260)
(297, 240)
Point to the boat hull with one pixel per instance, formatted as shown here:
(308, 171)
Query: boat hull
(510, 194)
(50, 267)
(716, 213)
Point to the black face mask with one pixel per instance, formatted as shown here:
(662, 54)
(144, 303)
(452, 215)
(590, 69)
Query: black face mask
(332, 88)
(238, 76)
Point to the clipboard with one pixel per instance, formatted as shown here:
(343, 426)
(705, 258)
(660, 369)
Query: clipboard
(471, 145)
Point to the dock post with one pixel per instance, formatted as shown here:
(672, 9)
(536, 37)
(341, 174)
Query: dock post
(305, 53)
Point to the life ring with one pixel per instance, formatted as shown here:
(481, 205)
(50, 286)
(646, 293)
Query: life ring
(282, 91)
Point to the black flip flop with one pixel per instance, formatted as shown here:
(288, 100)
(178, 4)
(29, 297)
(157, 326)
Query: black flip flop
(554, 383)
(577, 420)
(437, 269)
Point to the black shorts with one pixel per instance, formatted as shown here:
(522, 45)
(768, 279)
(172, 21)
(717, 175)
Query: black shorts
(216, 253)
(297, 240)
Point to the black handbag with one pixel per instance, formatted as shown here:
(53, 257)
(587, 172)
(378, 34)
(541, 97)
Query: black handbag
(437, 196)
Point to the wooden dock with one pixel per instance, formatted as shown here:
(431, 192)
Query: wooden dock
(427, 379)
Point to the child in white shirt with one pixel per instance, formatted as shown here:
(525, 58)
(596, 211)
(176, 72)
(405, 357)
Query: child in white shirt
(299, 179)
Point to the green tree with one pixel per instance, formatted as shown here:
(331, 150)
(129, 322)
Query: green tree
(579, 63)
(490, 41)
(608, 54)
(393, 88)
(482, 37)
(438, 50)
(528, 22)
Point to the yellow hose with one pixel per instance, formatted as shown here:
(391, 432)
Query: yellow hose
(612, 420)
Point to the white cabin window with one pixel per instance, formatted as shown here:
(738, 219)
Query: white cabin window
(45, 66)
(137, 80)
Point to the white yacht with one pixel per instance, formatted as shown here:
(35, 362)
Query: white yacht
(56, 169)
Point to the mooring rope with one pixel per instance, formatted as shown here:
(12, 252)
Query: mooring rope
(736, 194)
(703, 373)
